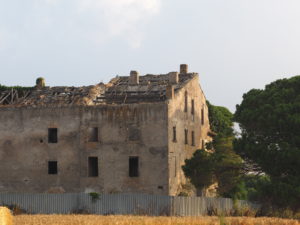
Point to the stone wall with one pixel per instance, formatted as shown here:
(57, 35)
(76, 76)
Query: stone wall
(138, 130)
(181, 118)
(95, 143)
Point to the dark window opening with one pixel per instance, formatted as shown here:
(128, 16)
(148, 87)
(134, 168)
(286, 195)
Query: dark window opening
(185, 136)
(52, 167)
(134, 134)
(52, 135)
(93, 134)
(93, 166)
(185, 101)
(175, 167)
(160, 187)
(203, 144)
(174, 134)
(193, 107)
(202, 116)
(133, 166)
(193, 138)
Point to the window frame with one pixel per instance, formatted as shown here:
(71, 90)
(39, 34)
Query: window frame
(193, 138)
(52, 135)
(93, 134)
(193, 107)
(185, 101)
(133, 166)
(186, 133)
(93, 169)
(52, 167)
(174, 134)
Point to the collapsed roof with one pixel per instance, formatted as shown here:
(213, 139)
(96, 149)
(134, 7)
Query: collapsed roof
(120, 90)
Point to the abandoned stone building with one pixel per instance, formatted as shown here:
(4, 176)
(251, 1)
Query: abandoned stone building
(129, 135)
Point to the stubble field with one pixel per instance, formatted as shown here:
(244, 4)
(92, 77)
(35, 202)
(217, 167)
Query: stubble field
(144, 220)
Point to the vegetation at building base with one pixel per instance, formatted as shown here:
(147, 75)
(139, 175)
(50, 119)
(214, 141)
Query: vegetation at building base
(220, 163)
(263, 164)
(270, 140)
(95, 196)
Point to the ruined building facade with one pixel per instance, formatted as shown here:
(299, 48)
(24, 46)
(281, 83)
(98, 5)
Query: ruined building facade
(130, 135)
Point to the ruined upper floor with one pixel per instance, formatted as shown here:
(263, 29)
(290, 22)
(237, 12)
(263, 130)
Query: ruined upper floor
(120, 90)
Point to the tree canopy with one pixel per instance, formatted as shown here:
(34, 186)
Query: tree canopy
(220, 164)
(220, 120)
(18, 88)
(270, 137)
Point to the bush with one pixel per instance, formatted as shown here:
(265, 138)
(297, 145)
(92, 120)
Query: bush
(15, 209)
(95, 196)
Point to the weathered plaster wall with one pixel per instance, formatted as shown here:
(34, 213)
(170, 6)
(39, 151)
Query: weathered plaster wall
(25, 151)
(177, 117)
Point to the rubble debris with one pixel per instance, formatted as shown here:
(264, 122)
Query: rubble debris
(120, 90)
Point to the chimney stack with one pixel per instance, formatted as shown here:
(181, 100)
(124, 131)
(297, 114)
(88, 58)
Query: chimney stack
(183, 68)
(40, 83)
(134, 77)
(170, 91)
(173, 77)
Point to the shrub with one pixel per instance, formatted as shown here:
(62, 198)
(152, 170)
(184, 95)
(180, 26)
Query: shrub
(15, 209)
(95, 196)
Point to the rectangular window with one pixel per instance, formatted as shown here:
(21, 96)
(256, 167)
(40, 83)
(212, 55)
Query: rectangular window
(134, 133)
(185, 101)
(203, 144)
(133, 166)
(93, 166)
(174, 134)
(175, 167)
(193, 138)
(93, 134)
(52, 135)
(185, 136)
(202, 116)
(52, 167)
(193, 107)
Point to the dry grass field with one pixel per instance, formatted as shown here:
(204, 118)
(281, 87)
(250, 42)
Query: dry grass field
(5, 216)
(144, 220)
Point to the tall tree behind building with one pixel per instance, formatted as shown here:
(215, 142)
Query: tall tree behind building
(218, 163)
(270, 137)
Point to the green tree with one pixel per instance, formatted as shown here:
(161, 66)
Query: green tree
(200, 169)
(220, 164)
(270, 137)
(18, 88)
(5, 90)
(228, 167)
(220, 120)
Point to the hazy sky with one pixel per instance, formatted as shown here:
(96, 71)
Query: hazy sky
(234, 45)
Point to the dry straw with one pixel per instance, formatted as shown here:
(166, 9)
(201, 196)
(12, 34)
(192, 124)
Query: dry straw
(5, 216)
(145, 220)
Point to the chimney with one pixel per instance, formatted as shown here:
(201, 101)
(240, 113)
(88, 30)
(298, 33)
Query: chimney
(170, 91)
(134, 77)
(40, 83)
(173, 77)
(183, 68)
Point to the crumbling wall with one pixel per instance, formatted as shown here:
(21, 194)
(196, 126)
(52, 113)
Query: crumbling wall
(138, 130)
(184, 119)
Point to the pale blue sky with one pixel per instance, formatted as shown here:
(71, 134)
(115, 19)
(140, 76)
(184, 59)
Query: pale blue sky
(234, 45)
